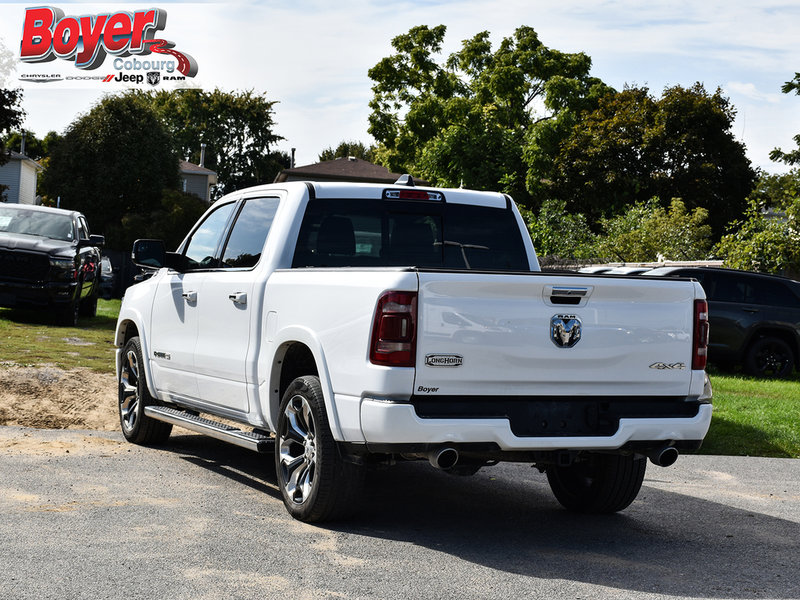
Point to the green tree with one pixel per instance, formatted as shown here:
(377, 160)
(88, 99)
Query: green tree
(465, 120)
(170, 220)
(634, 147)
(557, 234)
(767, 239)
(11, 115)
(237, 128)
(348, 148)
(35, 148)
(113, 161)
(793, 156)
(648, 232)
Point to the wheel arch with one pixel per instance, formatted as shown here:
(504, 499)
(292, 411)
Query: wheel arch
(129, 326)
(298, 352)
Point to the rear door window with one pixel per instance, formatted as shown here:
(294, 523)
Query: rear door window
(774, 293)
(246, 241)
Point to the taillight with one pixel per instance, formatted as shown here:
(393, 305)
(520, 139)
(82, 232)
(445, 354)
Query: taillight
(700, 341)
(394, 330)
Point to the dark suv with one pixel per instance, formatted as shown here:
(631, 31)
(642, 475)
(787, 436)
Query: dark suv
(755, 318)
(48, 259)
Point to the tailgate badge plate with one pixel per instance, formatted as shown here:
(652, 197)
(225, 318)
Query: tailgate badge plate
(565, 330)
(444, 360)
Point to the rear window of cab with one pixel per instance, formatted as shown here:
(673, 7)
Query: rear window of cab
(367, 233)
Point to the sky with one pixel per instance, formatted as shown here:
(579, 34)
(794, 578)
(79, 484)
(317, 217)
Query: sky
(313, 57)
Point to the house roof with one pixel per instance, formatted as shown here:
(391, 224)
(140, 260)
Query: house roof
(342, 169)
(21, 157)
(193, 169)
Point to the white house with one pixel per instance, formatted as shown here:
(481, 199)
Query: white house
(19, 175)
(197, 180)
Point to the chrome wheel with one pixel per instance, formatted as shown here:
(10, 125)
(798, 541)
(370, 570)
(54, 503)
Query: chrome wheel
(137, 427)
(298, 450)
(129, 391)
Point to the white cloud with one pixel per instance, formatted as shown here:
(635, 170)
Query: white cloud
(750, 90)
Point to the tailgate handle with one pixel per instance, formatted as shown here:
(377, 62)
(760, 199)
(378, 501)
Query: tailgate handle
(568, 295)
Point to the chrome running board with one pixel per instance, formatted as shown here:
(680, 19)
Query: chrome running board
(251, 440)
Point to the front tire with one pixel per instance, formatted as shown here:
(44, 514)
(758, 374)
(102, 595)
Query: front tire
(88, 306)
(317, 483)
(67, 314)
(137, 427)
(601, 484)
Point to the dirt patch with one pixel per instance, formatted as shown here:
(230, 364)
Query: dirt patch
(23, 441)
(52, 398)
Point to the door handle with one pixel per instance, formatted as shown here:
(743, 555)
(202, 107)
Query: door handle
(190, 296)
(239, 298)
(750, 309)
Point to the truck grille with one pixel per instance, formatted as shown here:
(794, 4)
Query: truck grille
(24, 266)
(556, 416)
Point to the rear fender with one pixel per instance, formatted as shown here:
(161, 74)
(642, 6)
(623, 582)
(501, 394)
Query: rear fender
(270, 402)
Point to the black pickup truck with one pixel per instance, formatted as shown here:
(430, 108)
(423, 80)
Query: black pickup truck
(48, 259)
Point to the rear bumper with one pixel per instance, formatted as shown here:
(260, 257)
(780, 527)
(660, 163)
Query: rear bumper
(392, 423)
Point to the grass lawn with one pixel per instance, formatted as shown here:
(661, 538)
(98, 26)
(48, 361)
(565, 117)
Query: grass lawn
(752, 417)
(28, 338)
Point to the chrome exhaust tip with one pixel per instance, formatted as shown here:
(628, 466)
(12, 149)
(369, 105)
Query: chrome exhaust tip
(443, 458)
(664, 457)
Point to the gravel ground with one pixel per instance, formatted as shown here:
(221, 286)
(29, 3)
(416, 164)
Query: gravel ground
(83, 514)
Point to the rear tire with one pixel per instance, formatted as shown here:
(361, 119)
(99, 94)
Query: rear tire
(316, 481)
(136, 426)
(769, 357)
(601, 484)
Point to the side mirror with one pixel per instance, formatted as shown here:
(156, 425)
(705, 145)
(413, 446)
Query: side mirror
(176, 262)
(94, 240)
(148, 254)
(151, 254)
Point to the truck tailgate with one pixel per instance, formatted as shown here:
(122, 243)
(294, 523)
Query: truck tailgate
(484, 334)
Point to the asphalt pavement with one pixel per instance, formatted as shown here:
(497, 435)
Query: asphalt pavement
(83, 514)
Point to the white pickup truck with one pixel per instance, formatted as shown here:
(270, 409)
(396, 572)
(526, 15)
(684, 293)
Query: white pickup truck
(344, 325)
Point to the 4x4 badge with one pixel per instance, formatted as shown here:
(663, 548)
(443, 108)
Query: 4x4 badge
(565, 330)
(679, 366)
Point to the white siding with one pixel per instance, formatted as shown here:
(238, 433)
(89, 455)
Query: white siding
(27, 183)
(197, 185)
